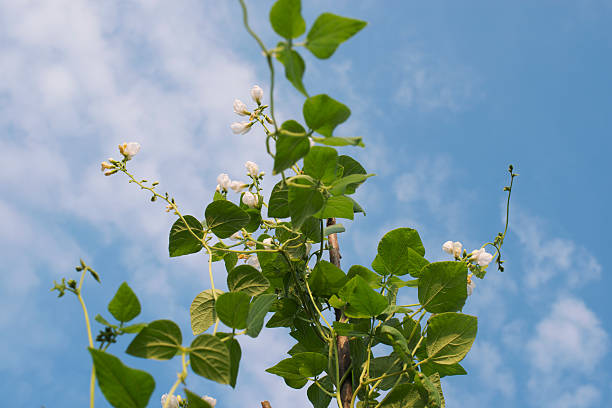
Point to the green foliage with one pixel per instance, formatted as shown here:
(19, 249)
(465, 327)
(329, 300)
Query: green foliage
(294, 66)
(182, 241)
(257, 313)
(304, 201)
(322, 114)
(442, 287)
(245, 278)
(329, 31)
(124, 306)
(122, 386)
(401, 251)
(286, 18)
(210, 358)
(195, 401)
(450, 337)
(362, 301)
(233, 309)
(224, 218)
(202, 311)
(290, 147)
(160, 340)
(278, 205)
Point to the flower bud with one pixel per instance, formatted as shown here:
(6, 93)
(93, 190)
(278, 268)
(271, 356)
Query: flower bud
(241, 127)
(312, 142)
(172, 403)
(106, 166)
(110, 172)
(470, 285)
(257, 94)
(250, 199)
(129, 150)
(224, 181)
(238, 186)
(252, 169)
(169, 208)
(254, 262)
(240, 108)
(236, 236)
(448, 247)
(267, 243)
(211, 401)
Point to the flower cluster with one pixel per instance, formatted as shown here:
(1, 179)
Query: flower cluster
(128, 150)
(175, 401)
(248, 198)
(240, 108)
(477, 260)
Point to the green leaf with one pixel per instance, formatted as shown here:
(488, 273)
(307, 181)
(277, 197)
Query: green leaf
(380, 366)
(230, 260)
(329, 31)
(290, 148)
(160, 340)
(194, 400)
(401, 251)
(254, 219)
(321, 163)
(403, 396)
(235, 355)
(134, 328)
(363, 301)
(124, 306)
(122, 386)
(310, 364)
(245, 278)
(351, 166)
(443, 286)
(336, 207)
(218, 196)
(442, 370)
(370, 277)
(285, 310)
(340, 186)
(210, 358)
(322, 114)
(379, 266)
(224, 218)
(294, 66)
(278, 205)
(303, 202)
(181, 241)
(104, 322)
(257, 313)
(317, 397)
(287, 369)
(339, 141)
(202, 311)
(233, 309)
(286, 18)
(357, 208)
(333, 229)
(326, 279)
(450, 337)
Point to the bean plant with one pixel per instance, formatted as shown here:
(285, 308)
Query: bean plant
(354, 344)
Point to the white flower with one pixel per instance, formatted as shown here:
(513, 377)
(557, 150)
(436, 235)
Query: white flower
(257, 94)
(254, 262)
(453, 248)
(172, 403)
(481, 257)
(241, 127)
(252, 169)
(470, 285)
(224, 181)
(250, 199)
(218, 188)
(240, 108)
(267, 243)
(130, 149)
(237, 186)
(312, 142)
(211, 401)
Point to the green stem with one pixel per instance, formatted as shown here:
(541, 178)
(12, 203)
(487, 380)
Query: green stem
(92, 383)
(181, 379)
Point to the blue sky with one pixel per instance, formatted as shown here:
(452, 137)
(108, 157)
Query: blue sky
(446, 95)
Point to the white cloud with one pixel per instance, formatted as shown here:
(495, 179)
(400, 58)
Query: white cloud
(566, 349)
(570, 337)
(493, 369)
(549, 259)
(427, 84)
